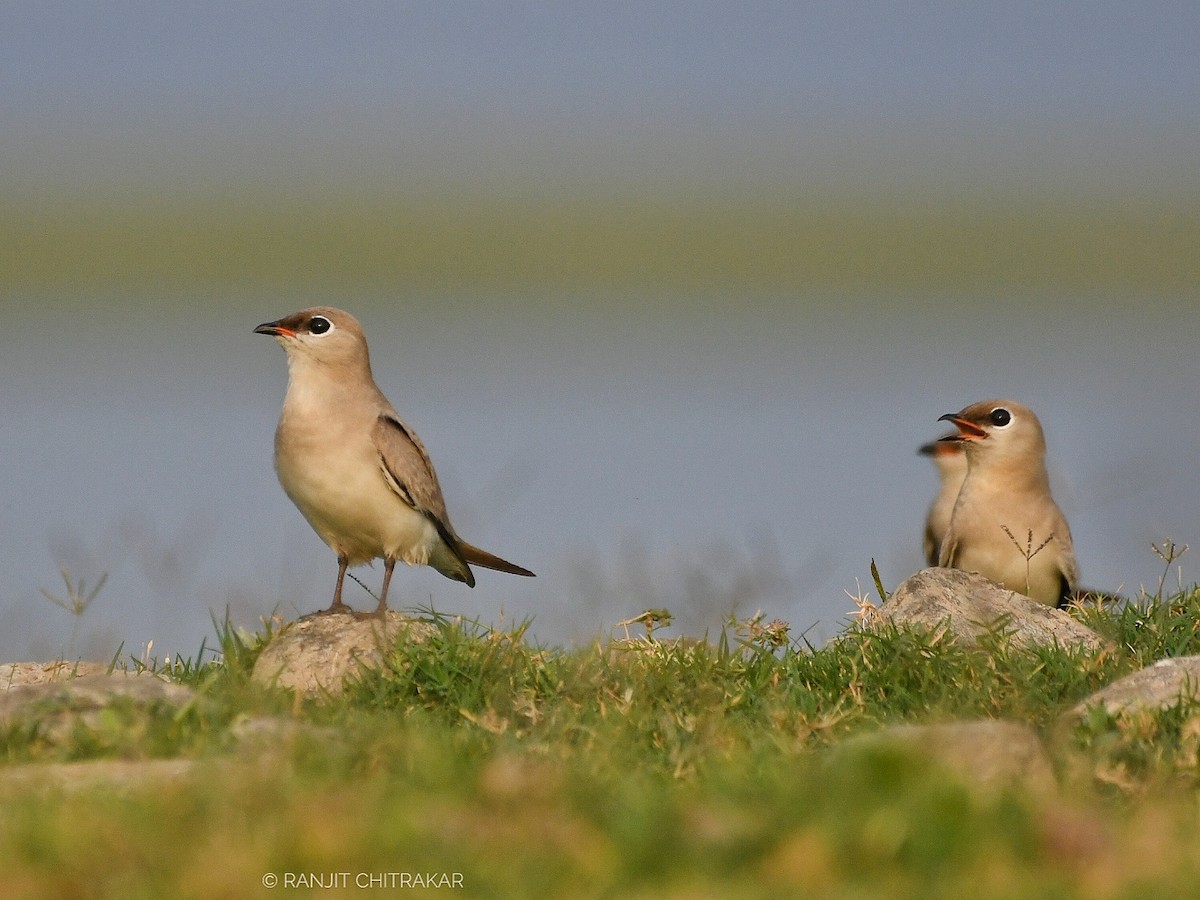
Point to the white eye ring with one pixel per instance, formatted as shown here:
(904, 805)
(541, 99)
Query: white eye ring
(1000, 417)
(319, 325)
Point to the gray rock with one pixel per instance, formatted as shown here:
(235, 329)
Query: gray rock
(122, 776)
(1160, 686)
(268, 734)
(22, 673)
(970, 606)
(89, 692)
(987, 753)
(55, 708)
(314, 655)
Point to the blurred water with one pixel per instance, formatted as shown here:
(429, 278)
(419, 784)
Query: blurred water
(704, 457)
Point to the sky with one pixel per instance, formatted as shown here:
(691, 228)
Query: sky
(286, 92)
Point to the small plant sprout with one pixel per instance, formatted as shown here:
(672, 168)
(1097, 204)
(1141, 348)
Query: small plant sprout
(878, 582)
(363, 586)
(1169, 553)
(866, 608)
(771, 636)
(652, 618)
(1028, 551)
(78, 598)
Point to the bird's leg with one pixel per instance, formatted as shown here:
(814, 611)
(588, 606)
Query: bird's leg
(389, 564)
(338, 605)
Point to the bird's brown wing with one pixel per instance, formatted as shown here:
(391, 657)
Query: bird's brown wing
(1067, 565)
(409, 473)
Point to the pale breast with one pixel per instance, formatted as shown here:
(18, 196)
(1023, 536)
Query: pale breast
(336, 482)
(1012, 539)
(1003, 562)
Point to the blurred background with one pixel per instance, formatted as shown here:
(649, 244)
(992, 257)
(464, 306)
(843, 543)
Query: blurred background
(671, 291)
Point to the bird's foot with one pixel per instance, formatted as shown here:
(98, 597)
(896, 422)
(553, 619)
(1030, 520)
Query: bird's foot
(338, 608)
(380, 612)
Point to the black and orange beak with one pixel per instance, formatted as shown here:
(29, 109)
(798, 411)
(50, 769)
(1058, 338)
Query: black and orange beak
(943, 446)
(967, 430)
(274, 329)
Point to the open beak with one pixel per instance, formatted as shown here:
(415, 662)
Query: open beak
(274, 329)
(941, 447)
(967, 431)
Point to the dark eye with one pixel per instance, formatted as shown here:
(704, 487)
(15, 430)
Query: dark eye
(1000, 417)
(320, 325)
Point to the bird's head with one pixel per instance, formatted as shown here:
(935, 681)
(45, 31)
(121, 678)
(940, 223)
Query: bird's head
(321, 335)
(998, 428)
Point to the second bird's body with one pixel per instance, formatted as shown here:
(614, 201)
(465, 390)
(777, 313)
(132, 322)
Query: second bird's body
(1005, 523)
(951, 465)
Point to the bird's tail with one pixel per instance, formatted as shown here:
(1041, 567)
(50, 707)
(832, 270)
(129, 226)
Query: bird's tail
(477, 557)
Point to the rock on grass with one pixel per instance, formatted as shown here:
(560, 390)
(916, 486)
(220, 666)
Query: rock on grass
(316, 654)
(970, 606)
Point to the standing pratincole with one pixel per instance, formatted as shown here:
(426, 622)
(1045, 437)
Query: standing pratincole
(359, 475)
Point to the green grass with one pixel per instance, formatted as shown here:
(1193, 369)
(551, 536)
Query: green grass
(634, 767)
(452, 243)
